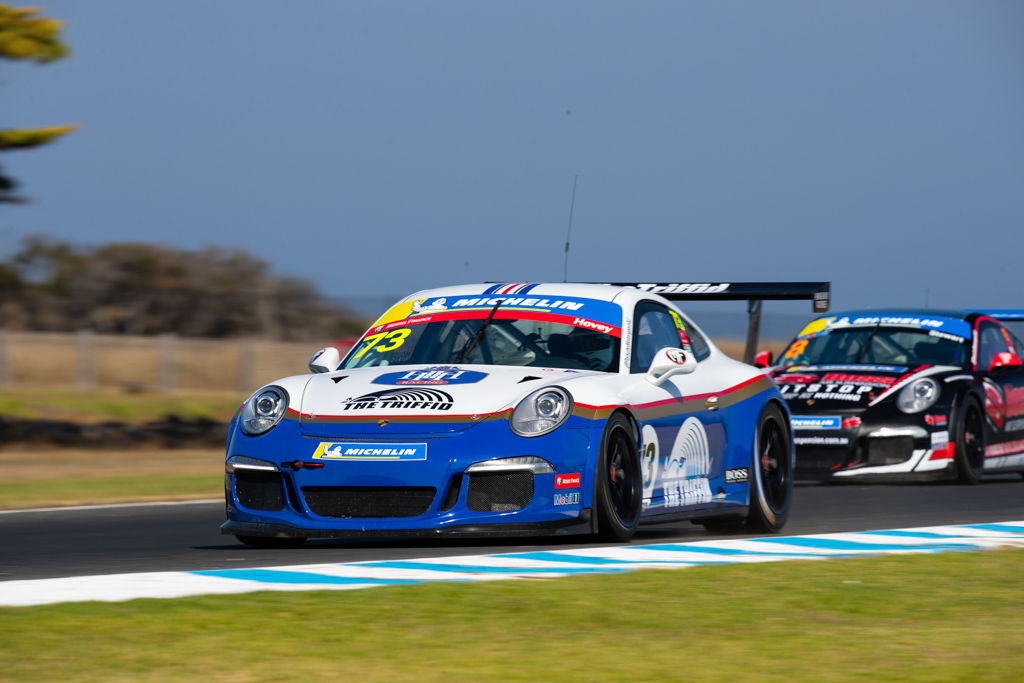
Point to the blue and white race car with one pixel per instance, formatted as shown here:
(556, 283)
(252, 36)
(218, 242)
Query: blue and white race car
(516, 409)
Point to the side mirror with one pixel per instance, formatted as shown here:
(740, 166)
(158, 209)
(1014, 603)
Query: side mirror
(763, 359)
(326, 359)
(1005, 359)
(668, 362)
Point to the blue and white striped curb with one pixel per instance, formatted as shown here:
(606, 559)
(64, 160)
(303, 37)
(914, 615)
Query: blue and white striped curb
(542, 564)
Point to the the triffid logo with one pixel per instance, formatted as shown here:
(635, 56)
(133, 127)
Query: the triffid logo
(401, 399)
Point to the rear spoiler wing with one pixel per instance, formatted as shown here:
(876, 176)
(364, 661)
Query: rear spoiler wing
(1004, 313)
(819, 293)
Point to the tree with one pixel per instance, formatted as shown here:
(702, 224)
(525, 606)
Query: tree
(24, 35)
(139, 288)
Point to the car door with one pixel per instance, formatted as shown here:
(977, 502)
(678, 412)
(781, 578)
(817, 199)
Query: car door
(683, 438)
(1004, 389)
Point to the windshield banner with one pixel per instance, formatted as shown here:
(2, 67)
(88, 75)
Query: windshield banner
(953, 326)
(591, 314)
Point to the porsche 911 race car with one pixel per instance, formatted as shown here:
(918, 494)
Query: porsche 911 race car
(517, 409)
(905, 394)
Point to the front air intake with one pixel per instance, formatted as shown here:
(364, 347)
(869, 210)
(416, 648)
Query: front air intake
(500, 491)
(889, 450)
(369, 501)
(259, 490)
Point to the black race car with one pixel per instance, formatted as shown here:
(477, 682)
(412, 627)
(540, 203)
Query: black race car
(905, 395)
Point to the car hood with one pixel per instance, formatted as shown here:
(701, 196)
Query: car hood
(419, 398)
(813, 389)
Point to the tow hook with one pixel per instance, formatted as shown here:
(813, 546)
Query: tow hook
(297, 465)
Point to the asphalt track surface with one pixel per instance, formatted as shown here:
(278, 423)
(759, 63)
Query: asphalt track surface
(114, 540)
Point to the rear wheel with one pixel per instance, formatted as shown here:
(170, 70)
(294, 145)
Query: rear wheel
(271, 541)
(619, 483)
(770, 478)
(771, 485)
(969, 453)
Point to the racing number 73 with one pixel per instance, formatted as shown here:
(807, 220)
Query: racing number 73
(391, 341)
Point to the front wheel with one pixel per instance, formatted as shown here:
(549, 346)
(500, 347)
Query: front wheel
(969, 443)
(618, 488)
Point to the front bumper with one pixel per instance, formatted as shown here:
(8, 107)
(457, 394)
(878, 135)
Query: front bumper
(315, 495)
(873, 451)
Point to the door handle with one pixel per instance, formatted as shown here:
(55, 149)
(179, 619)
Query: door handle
(711, 403)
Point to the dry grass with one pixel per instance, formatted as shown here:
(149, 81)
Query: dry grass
(734, 347)
(21, 464)
(48, 477)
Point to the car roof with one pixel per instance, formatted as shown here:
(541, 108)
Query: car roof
(919, 312)
(531, 289)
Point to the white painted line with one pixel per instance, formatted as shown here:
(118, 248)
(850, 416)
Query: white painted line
(114, 506)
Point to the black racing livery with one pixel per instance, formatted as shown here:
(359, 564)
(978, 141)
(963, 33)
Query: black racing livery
(905, 394)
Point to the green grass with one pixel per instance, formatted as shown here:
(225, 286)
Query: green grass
(109, 405)
(951, 617)
(85, 490)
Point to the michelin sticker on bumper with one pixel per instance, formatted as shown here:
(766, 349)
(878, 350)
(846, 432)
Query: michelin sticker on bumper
(816, 422)
(333, 450)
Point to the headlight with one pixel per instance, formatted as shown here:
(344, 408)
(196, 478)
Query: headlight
(918, 395)
(541, 411)
(264, 410)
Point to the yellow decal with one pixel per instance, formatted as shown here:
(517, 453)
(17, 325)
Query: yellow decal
(816, 326)
(396, 312)
(679, 320)
(392, 340)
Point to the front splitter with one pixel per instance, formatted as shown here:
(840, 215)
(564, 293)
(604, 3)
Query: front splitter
(578, 525)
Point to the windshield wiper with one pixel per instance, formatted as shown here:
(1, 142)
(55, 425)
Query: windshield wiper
(472, 343)
(867, 344)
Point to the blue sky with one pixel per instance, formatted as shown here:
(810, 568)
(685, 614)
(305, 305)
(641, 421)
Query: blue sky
(380, 148)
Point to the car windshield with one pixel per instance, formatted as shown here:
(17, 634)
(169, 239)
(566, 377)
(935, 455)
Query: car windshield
(878, 345)
(490, 336)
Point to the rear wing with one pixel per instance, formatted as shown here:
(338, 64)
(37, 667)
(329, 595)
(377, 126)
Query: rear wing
(819, 293)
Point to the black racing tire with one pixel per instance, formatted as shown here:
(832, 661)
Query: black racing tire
(281, 542)
(771, 472)
(618, 485)
(770, 479)
(969, 442)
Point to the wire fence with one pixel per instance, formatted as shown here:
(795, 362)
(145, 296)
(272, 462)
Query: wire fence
(86, 361)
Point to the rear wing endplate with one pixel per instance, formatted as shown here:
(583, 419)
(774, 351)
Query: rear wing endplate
(819, 293)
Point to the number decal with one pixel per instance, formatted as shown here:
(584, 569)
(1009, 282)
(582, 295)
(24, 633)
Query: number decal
(796, 349)
(394, 340)
(391, 341)
(370, 341)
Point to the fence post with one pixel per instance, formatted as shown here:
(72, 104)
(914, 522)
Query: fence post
(85, 344)
(168, 362)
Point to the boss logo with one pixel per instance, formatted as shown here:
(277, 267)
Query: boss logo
(736, 476)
